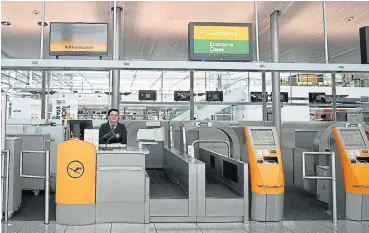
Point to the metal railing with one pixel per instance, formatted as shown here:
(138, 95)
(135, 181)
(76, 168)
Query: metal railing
(332, 178)
(215, 141)
(46, 178)
(5, 164)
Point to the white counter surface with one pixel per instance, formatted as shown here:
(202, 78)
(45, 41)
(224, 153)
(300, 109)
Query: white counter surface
(128, 150)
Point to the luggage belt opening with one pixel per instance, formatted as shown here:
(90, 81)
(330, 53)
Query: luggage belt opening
(215, 188)
(216, 185)
(164, 185)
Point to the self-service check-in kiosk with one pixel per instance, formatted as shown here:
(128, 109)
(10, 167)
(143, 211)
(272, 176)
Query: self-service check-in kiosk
(352, 172)
(266, 174)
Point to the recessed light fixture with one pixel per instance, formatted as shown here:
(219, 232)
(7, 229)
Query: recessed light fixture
(349, 19)
(36, 12)
(45, 24)
(6, 23)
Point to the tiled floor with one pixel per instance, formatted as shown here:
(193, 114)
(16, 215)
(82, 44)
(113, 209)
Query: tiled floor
(252, 227)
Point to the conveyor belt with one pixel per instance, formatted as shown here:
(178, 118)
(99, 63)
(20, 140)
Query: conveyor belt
(162, 186)
(300, 205)
(159, 177)
(216, 189)
(33, 208)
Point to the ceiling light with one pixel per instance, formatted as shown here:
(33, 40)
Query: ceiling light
(45, 24)
(36, 12)
(6, 23)
(349, 19)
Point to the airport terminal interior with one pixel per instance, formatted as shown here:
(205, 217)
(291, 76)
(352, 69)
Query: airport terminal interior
(184, 116)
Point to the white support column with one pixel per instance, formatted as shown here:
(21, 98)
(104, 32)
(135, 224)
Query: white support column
(4, 115)
(192, 97)
(115, 95)
(264, 103)
(43, 95)
(162, 86)
(275, 75)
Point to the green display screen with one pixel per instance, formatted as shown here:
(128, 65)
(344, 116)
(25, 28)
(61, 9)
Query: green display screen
(220, 41)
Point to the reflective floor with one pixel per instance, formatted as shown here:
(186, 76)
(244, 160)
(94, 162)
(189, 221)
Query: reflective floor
(254, 227)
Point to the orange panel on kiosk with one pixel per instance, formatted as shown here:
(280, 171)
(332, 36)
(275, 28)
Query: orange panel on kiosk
(353, 148)
(266, 169)
(76, 172)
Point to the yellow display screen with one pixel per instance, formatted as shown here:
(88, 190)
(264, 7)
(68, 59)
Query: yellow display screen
(78, 39)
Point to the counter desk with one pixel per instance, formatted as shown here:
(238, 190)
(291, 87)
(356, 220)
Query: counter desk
(101, 186)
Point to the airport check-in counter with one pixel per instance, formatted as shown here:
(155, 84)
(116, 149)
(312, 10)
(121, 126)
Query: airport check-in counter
(150, 135)
(33, 163)
(266, 174)
(172, 176)
(121, 186)
(174, 189)
(100, 186)
(14, 145)
(223, 189)
(116, 186)
(222, 180)
(352, 170)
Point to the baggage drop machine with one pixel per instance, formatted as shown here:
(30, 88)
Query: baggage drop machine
(266, 174)
(170, 177)
(223, 181)
(352, 172)
(150, 135)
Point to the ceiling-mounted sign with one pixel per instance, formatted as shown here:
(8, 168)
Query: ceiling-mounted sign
(146, 95)
(182, 96)
(220, 41)
(213, 96)
(78, 39)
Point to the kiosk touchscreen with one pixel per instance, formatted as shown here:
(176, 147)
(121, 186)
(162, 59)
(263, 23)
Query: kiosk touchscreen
(266, 173)
(352, 169)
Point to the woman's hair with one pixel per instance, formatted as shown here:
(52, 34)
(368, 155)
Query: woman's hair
(113, 110)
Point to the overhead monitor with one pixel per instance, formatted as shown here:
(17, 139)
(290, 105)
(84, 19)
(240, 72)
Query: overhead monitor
(209, 41)
(181, 95)
(352, 137)
(258, 96)
(78, 39)
(147, 95)
(263, 137)
(317, 97)
(212, 96)
(364, 44)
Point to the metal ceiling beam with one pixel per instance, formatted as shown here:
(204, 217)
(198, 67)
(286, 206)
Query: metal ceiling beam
(179, 82)
(99, 65)
(160, 77)
(16, 79)
(133, 79)
(241, 103)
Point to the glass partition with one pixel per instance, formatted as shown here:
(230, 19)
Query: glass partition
(88, 93)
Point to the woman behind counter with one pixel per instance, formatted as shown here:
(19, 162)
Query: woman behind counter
(113, 130)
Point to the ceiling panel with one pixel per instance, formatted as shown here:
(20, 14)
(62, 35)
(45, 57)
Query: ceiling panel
(157, 30)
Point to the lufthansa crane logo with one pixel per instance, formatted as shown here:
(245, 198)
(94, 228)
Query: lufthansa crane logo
(75, 169)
